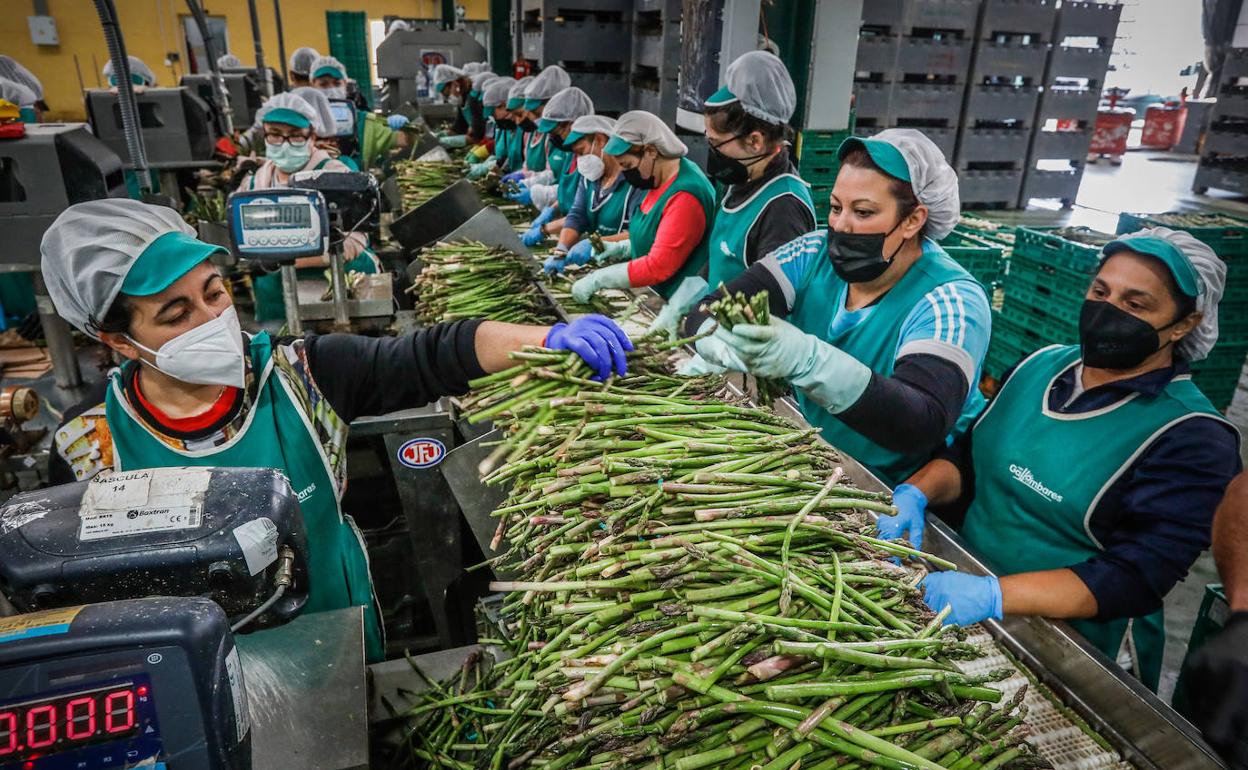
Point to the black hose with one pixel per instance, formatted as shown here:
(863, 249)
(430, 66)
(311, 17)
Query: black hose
(262, 72)
(224, 110)
(281, 40)
(125, 93)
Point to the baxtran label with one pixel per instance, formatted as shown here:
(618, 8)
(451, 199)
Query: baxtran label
(421, 452)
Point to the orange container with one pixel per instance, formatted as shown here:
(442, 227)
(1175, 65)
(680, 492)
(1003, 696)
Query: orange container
(1163, 125)
(1109, 136)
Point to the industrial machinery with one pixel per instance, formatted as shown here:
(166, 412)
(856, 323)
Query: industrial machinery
(245, 93)
(176, 125)
(18, 405)
(405, 60)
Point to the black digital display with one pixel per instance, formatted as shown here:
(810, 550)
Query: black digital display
(40, 727)
(271, 216)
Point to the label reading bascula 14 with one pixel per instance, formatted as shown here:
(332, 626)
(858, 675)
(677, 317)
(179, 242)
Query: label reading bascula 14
(142, 501)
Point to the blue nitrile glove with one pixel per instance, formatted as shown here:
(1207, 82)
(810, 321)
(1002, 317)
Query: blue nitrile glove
(533, 236)
(522, 195)
(397, 121)
(714, 352)
(911, 516)
(515, 176)
(697, 365)
(597, 340)
(580, 253)
(974, 598)
(685, 297)
(780, 350)
(609, 277)
(458, 140)
(612, 250)
(545, 216)
(478, 170)
(554, 263)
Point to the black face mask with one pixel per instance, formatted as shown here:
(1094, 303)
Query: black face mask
(728, 170)
(529, 125)
(557, 142)
(859, 257)
(1112, 338)
(507, 124)
(633, 176)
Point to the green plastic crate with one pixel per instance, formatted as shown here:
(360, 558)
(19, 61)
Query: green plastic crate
(1009, 344)
(348, 43)
(981, 258)
(1046, 246)
(1227, 241)
(1045, 325)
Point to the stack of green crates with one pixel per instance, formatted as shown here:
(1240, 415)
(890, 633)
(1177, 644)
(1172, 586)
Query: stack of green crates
(819, 165)
(1045, 286)
(1218, 375)
(981, 257)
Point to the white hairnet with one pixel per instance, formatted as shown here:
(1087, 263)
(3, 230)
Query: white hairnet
(445, 73)
(13, 70)
(480, 79)
(594, 124)
(12, 91)
(761, 83)
(228, 60)
(547, 83)
(137, 67)
(495, 93)
(301, 60)
(398, 25)
(569, 104)
(90, 248)
(473, 67)
(1211, 279)
(327, 61)
(934, 181)
(290, 101)
(517, 90)
(324, 123)
(641, 127)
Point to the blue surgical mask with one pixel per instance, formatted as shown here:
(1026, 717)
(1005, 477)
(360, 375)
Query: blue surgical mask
(288, 157)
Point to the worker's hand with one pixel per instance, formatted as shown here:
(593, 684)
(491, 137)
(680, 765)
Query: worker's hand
(581, 252)
(478, 170)
(397, 122)
(458, 140)
(614, 250)
(831, 377)
(714, 352)
(686, 296)
(522, 195)
(910, 518)
(597, 340)
(610, 277)
(554, 263)
(515, 176)
(973, 598)
(697, 366)
(1216, 682)
(544, 217)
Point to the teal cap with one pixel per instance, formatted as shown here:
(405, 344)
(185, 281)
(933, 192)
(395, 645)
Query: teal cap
(617, 145)
(164, 261)
(546, 125)
(287, 116)
(516, 103)
(328, 69)
(533, 104)
(136, 80)
(572, 138)
(721, 97)
(886, 156)
(1180, 266)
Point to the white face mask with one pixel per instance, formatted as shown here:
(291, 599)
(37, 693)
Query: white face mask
(591, 167)
(209, 354)
(335, 92)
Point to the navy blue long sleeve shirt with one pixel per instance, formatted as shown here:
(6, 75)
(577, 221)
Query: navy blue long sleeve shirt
(1157, 517)
(593, 193)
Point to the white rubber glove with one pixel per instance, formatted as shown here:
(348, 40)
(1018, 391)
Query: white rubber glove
(543, 195)
(685, 297)
(715, 352)
(696, 366)
(614, 250)
(541, 177)
(609, 277)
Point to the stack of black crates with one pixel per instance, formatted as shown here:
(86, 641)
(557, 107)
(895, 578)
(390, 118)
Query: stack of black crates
(591, 39)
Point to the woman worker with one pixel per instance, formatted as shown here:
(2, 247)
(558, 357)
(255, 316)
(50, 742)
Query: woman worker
(542, 89)
(1094, 473)
(475, 104)
(300, 69)
(194, 390)
(374, 136)
(140, 74)
(604, 204)
(454, 85)
(885, 334)
(667, 234)
(766, 204)
(325, 128)
(515, 113)
(554, 200)
(499, 126)
(291, 126)
(12, 69)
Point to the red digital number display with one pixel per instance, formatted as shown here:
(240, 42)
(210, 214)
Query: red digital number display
(49, 726)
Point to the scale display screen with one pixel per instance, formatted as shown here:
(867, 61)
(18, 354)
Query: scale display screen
(52, 725)
(344, 117)
(269, 216)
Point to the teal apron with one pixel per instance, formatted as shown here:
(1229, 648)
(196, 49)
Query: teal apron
(645, 224)
(874, 342)
(535, 152)
(278, 434)
(732, 226)
(466, 108)
(609, 214)
(515, 150)
(1039, 475)
(502, 144)
(567, 178)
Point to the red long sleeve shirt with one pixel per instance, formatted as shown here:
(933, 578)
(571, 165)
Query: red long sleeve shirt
(681, 227)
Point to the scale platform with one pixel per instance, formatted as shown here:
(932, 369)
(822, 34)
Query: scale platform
(313, 308)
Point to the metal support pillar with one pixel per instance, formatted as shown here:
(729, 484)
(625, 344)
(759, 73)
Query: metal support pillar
(59, 337)
(290, 300)
(337, 276)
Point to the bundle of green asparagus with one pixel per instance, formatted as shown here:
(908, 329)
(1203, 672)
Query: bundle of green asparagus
(730, 310)
(698, 585)
(472, 280)
(419, 181)
(613, 304)
(1196, 219)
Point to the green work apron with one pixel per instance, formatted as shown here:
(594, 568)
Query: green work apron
(535, 152)
(874, 342)
(567, 178)
(502, 144)
(608, 215)
(278, 434)
(374, 137)
(515, 149)
(466, 108)
(1039, 475)
(732, 226)
(645, 224)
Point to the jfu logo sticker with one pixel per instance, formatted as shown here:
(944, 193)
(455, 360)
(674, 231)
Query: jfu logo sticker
(421, 452)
